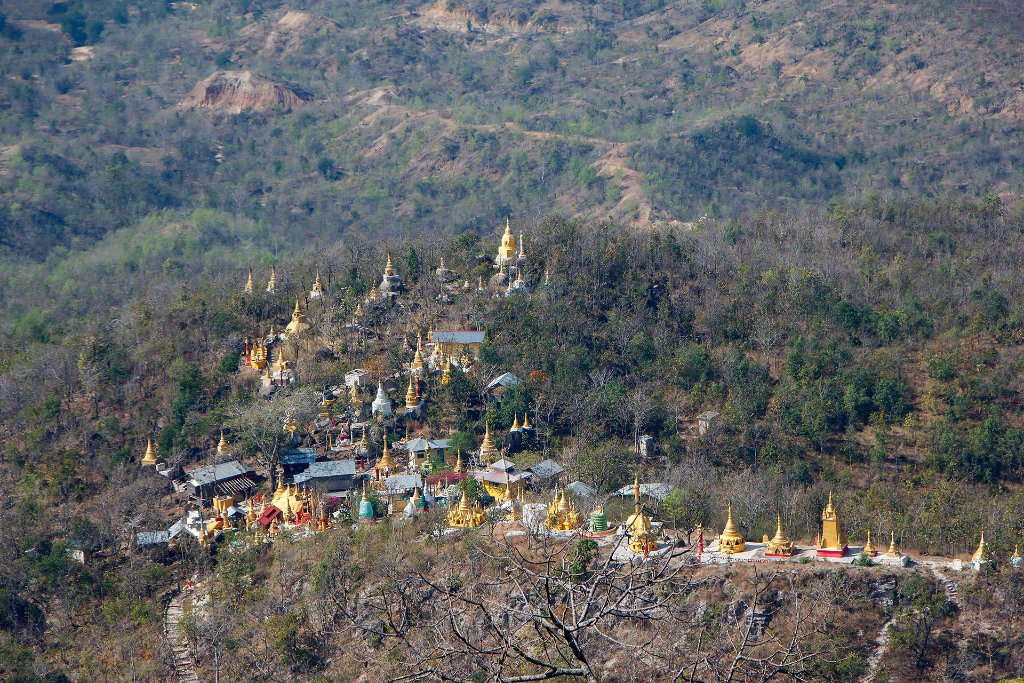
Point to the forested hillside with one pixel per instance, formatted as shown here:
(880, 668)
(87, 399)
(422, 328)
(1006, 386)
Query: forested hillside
(803, 216)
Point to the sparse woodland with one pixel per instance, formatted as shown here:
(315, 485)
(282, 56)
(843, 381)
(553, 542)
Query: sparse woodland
(805, 217)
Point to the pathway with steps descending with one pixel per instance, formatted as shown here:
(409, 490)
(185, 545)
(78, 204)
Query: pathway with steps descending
(875, 660)
(183, 664)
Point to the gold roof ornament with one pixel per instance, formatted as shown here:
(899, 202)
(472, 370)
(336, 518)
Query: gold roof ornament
(526, 421)
(150, 456)
(272, 282)
(318, 286)
(250, 286)
(893, 552)
(515, 423)
(731, 541)
(389, 269)
(222, 446)
(459, 467)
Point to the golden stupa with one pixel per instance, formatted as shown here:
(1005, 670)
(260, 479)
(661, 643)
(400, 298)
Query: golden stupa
(298, 323)
(779, 545)
(833, 541)
(250, 286)
(638, 525)
(869, 549)
(223, 449)
(731, 541)
(272, 282)
(981, 555)
(466, 515)
(488, 451)
(893, 552)
(564, 517)
(150, 457)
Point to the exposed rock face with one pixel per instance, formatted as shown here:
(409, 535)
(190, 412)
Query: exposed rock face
(232, 92)
(292, 31)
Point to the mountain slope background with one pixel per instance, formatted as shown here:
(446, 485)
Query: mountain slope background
(396, 116)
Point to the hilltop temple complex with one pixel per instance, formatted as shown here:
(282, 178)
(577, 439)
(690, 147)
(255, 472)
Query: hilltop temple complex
(346, 464)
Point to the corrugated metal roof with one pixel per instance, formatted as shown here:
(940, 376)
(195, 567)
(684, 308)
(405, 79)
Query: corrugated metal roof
(546, 468)
(329, 468)
(152, 537)
(506, 379)
(299, 456)
(657, 491)
(458, 336)
(418, 445)
(578, 488)
(211, 474)
(403, 482)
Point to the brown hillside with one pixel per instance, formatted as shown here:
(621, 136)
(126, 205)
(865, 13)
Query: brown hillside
(232, 92)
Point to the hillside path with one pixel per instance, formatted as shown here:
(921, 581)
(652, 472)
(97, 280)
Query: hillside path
(184, 666)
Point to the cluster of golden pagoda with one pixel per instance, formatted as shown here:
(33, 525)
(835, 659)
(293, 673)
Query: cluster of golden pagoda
(832, 541)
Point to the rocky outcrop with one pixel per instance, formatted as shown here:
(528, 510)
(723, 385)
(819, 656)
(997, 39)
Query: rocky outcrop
(291, 32)
(232, 92)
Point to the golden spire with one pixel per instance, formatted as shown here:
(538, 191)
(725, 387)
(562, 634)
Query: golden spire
(353, 396)
(250, 286)
(1016, 553)
(526, 421)
(317, 285)
(410, 394)
(222, 447)
(515, 423)
(892, 551)
(150, 457)
(487, 448)
(385, 458)
(563, 502)
(417, 360)
(780, 535)
(869, 549)
(464, 503)
(981, 554)
(459, 467)
(365, 498)
(359, 310)
(272, 282)
(508, 493)
(363, 445)
(389, 270)
(730, 526)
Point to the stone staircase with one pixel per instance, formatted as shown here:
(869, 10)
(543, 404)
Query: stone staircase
(184, 667)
